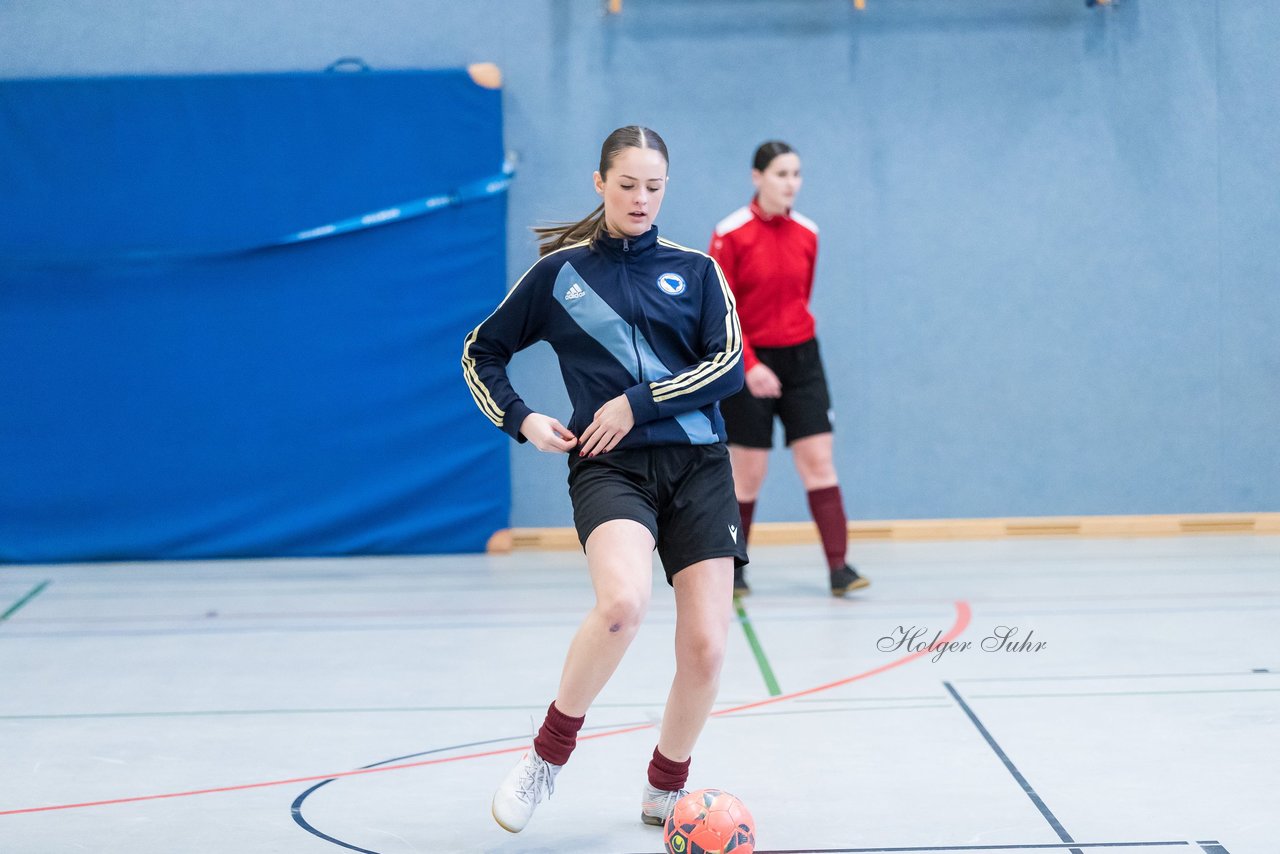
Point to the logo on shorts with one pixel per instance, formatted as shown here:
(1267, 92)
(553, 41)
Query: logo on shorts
(733, 532)
(672, 284)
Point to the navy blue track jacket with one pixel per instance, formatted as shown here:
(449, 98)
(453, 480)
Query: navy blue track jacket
(641, 316)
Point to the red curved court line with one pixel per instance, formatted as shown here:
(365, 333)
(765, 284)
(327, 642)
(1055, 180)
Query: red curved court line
(963, 615)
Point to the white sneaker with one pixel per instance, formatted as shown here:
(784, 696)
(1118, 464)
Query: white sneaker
(656, 804)
(522, 790)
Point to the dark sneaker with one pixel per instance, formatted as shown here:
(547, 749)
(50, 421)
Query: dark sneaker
(740, 587)
(846, 578)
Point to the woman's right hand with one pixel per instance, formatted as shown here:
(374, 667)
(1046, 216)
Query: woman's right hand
(763, 382)
(547, 434)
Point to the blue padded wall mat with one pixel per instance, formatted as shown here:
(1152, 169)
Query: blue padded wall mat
(177, 384)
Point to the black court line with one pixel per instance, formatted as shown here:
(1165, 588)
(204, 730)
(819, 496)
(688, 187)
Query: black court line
(1125, 676)
(1008, 764)
(434, 625)
(31, 594)
(936, 848)
(1074, 694)
(1115, 572)
(296, 808)
(220, 713)
(1210, 847)
(423, 626)
(1052, 846)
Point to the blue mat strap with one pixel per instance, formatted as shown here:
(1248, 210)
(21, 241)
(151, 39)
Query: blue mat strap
(483, 188)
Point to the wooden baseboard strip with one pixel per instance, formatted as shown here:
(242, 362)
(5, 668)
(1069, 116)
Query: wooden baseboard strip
(794, 533)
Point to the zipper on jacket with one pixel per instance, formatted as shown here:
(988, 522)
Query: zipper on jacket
(635, 312)
(635, 345)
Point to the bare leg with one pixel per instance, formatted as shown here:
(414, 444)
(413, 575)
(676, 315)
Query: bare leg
(704, 605)
(749, 468)
(619, 557)
(813, 456)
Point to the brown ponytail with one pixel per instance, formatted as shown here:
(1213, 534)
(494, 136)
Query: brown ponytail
(591, 227)
(553, 237)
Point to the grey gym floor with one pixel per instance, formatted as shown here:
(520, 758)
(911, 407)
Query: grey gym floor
(224, 706)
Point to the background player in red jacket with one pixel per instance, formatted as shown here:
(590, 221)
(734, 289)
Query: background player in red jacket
(768, 253)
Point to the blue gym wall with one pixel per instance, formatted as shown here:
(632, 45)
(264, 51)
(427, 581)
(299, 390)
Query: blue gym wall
(1049, 280)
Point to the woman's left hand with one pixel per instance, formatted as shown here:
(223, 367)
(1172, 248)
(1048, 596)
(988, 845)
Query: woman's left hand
(612, 421)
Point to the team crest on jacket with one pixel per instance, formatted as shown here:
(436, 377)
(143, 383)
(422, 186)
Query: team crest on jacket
(671, 283)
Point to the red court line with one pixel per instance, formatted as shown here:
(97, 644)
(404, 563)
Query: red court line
(963, 615)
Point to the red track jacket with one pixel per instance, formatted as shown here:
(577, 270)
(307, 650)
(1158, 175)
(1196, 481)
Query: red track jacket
(769, 262)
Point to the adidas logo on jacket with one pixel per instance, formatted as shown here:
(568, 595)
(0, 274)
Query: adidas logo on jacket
(641, 316)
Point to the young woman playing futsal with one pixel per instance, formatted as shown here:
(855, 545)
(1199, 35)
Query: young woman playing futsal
(768, 253)
(648, 341)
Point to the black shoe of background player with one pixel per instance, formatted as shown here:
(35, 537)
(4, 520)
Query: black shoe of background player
(846, 578)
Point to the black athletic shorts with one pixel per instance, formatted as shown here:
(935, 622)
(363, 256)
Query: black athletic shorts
(805, 405)
(682, 493)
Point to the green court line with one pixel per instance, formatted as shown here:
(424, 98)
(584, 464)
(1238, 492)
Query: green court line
(33, 593)
(765, 670)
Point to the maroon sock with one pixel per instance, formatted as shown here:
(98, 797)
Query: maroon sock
(667, 775)
(827, 508)
(558, 736)
(746, 509)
